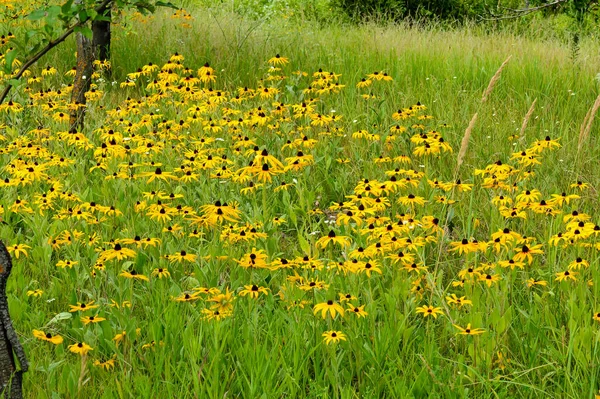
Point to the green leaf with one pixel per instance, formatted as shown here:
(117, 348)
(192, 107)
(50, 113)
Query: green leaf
(9, 58)
(66, 8)
(85, 31)
(59, 317)
(304, 245)
(52, 13)
(166, 4)
(37, 15)
(14, 82)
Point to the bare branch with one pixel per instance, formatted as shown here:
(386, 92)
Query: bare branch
(531, 9)
(518, 13)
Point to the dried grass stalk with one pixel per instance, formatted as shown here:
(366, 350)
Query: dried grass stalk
(527, 117)
(494, 80)
(584, 132)
(464, 144)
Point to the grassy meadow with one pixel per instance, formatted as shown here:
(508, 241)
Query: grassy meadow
(290, 209)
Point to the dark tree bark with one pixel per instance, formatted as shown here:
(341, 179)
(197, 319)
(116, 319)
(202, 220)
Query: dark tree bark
(83, 80)
(10, 377)
(101, 38)
(98, 48)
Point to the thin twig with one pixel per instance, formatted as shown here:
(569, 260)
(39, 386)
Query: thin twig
(518, 13)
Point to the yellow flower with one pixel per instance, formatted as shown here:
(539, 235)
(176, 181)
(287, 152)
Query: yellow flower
(566, 275)
(468, 330)
(531, 282)
(329, 306)
(119, 337)
(161, 272)
(181, 256)
(429, 310)
(118, 252)
(333, 337)
(253, 291)
(526, 252)
(66, 263)
(489, 279)
(133, 275)
(359, 311)
(454, 300)
(18, 249)
(82, 306)
(106, 365)
(56, 339)
(36, 293)
(578, 263)
(278, 60)
(81, 348)
(91, 319)
(343, 241)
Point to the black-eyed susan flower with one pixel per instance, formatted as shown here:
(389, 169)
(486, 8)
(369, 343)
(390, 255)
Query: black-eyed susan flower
(18, 249)
(468, 330)
(160, 272)
(334, 337)
(91, 319)
(533, 282)
(453, 299)
(54, 339)
(36, 293)
(566, 275)
(359, 311)
(342, 241)
(81, 348)
(82, 306)
(253, 291)
(330, 307)
(278, 60)
(428, 310)
(133, 275)
(106, 364)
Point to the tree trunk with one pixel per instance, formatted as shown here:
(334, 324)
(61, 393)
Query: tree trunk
(101, 38)
(83, 80)
(98, 48)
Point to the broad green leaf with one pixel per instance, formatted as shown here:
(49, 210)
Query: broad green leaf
(9, 58)
(166, 4)
(66, 8)
(14, 82)
(37, 15)
(85, 31)
(59, 317)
